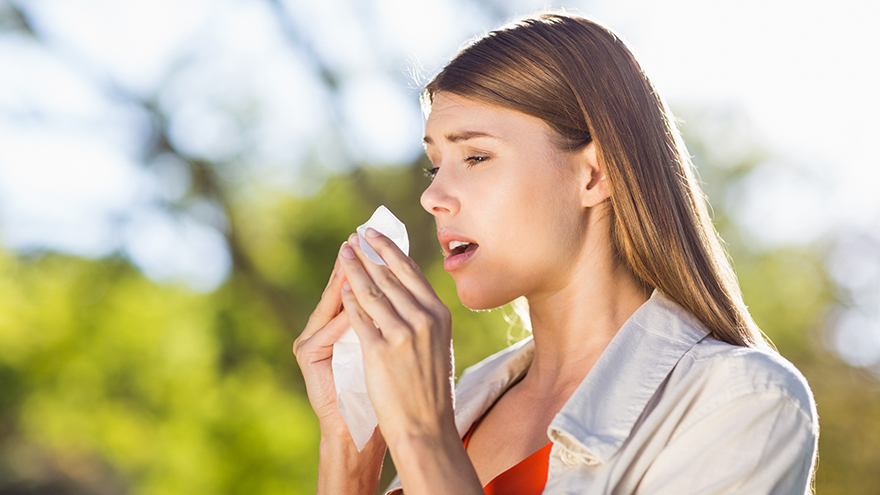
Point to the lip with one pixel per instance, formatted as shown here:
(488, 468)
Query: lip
(454, 262)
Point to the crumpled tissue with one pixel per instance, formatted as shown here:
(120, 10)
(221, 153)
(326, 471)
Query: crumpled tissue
(348, 359)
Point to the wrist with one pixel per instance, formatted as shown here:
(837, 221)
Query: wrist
(431, 463)
(436, 432)
(416, 445)
(334, 431)
(344, 470)
(341, 444)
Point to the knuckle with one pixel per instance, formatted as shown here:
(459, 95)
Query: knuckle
(385, 278)
(412, 267)
(443, 314)
(422, 322)
(361, 315)
(297, 347)
(400, 342)
(374, 294)
(357, 317)
(317, 313)
(326, 291)
(313, 318)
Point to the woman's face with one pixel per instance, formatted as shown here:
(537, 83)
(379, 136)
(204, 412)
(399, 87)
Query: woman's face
(506, 200)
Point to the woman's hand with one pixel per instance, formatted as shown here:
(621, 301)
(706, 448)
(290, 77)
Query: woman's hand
(341, 468)
(404, 330)
(405, 333)
(314, 352)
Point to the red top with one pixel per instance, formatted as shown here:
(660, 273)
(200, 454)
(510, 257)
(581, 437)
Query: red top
(526, 478)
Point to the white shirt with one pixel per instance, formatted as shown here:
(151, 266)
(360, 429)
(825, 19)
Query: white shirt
(667, 410)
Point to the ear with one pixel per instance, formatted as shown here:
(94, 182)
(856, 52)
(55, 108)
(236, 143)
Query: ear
(594, 188)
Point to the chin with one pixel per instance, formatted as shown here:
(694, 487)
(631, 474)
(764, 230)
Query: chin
(479, 298)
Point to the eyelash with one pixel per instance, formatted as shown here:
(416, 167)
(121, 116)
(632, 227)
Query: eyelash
(473, 160)
(431, 172)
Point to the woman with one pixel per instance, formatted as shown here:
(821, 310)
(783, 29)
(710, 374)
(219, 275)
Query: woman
(558, 175)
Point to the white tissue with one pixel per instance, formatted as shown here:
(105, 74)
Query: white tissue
(348, 359)
(385, 222)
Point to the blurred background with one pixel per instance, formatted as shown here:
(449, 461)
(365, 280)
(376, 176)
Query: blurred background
(176, 177)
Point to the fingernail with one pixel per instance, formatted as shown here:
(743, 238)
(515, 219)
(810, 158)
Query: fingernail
(345, 286)
(371, 232)
(347, 252)
(353, 239)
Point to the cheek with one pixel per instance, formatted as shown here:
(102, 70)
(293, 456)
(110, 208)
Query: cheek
(550, 232)
(544, 209)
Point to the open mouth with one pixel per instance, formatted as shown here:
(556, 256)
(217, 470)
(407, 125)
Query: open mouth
(460, 247)
(457, 248)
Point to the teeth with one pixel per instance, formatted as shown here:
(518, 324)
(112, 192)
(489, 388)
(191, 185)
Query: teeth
(457, 244)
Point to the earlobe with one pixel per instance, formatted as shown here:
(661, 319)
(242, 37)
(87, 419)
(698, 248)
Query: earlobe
(595, 187)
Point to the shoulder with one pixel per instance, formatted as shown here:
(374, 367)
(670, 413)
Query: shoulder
(729, 420)
(722, 373)
(725, 371)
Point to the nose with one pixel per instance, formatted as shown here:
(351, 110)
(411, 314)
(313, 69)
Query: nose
(438, 199)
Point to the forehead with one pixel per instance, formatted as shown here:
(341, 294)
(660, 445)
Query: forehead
(451, 114)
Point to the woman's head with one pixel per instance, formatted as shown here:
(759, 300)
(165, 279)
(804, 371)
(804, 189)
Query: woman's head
(583, 82)
(514, 214)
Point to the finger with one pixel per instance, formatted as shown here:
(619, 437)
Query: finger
(326, 337)
(362, 323)
(373, 300)
(332, 274)
(330, 304)
(404, 268)
(399, 295)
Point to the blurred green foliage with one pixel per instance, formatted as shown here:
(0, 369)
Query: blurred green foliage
(169, 391)
(112, 383)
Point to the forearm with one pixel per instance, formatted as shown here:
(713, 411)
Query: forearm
(342, 470)
(434, 465)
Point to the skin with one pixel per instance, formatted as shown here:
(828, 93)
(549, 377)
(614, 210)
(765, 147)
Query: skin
(540, 218)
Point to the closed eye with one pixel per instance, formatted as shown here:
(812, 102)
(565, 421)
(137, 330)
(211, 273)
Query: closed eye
(431, 172)
(473, 160)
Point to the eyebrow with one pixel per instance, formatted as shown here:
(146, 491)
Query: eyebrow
(457, 137)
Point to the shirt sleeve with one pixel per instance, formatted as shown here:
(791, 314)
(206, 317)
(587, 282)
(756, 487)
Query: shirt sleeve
(761, 443)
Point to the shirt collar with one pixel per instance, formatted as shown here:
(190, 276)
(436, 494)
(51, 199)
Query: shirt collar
(481, 385)
(601, 413)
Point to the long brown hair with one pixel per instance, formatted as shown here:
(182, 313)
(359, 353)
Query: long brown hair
(581, 79)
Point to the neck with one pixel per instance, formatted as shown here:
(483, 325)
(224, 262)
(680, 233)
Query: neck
(573, 325)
